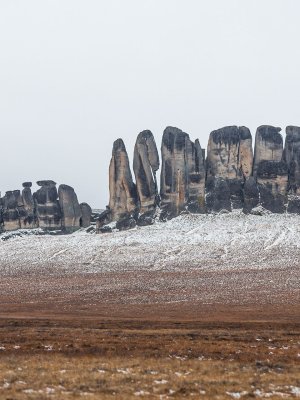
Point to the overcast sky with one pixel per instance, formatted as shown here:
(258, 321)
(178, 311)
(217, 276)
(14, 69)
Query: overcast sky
(78, 74)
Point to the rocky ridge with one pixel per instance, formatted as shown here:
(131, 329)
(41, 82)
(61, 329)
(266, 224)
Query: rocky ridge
(47, 209)
(231, 176)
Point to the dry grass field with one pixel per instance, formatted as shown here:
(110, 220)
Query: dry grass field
(103, 359)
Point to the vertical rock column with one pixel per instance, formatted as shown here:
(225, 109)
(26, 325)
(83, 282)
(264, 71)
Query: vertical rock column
(48, 210)
(86, 215)
(29, 220)
(270, 170)
(12, 201)
(182, 174)
(291, 156)
(229, 165)
(145, 166)
(70, 208)
(123, 202)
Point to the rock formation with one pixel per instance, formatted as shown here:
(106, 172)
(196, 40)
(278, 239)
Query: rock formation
(70, 208)
(182, 175)
(47, 205)
(229, 164)
(145, 166)
(269, 169)
(29, 221)
(268, 146)
(123, 202)
(272, 180)
(291, 156)
(12, 203)
(86, 214)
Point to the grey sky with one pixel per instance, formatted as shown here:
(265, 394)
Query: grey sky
(75, 75)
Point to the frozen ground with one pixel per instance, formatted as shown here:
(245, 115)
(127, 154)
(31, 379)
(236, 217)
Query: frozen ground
(206, 242)
(208, 258)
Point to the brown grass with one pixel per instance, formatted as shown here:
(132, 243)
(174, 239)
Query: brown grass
(147, 359)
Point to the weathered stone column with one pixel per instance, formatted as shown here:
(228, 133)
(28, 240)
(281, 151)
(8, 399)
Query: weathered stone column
(229, 163)
(48, 210)
(268, 145)
(123, 202)
(70, 208)
(182, 174)
(145, 166)
(86, 214)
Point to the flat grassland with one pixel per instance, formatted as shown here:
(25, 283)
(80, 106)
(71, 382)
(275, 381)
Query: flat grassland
(71, 356)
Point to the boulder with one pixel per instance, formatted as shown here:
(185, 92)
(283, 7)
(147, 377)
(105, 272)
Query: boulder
(268, 146)
(229, 158)
(123, 200)
(47, 206)
(86, 215)
(272, 181)
(70, 208)
(145, 166)
(182, 174)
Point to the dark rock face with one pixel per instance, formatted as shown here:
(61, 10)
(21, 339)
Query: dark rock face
(291, 156)
(268, 146)
(272, 180)
(251, 195)
(230, 158)
(12, 208)
(126, 223)
(219, 196)
(47, 205)
(86, 215)
(145, 166)
(70, 208)
(123, 196)
(29, 221)
(182, 175)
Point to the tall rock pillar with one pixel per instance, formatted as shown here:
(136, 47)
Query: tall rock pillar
(123, 202)
(145, 166)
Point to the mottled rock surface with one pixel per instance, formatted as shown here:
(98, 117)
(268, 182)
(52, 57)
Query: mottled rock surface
(12, 210)
(123, 200)
(268, 146)
(86, 215)
(230, 158)
(182, 175)
(70, 208)
(47, 205)
(145, 166)
(29, 221)
(251, 195)
(272, 180)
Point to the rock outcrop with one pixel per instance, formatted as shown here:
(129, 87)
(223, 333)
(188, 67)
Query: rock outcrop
(12, 208)
(86, 215)
(268, 146)
(123, 202)
(291, 156)
(229, 164)
(29, 221)
(70, 208)
(48, 210)
(182, 175)
(272, 180)
(145, 166)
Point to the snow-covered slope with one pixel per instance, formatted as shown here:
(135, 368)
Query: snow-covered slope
(206, 242)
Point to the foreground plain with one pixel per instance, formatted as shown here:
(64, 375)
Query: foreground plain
(200, 307)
